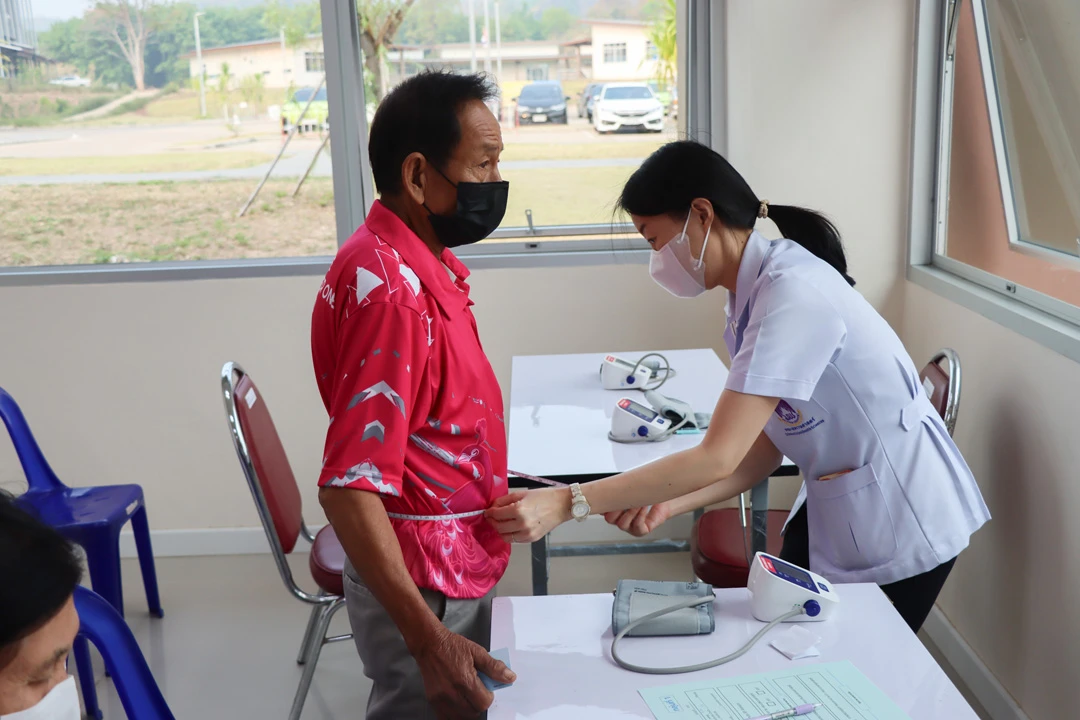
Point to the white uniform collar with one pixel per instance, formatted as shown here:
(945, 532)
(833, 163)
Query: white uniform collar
(757, 247)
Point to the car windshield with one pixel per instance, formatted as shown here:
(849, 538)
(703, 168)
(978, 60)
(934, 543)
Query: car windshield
(304, 94)
(540, 94)
(633, 92)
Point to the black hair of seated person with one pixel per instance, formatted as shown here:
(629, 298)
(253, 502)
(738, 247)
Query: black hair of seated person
(421, 115)
(678, 173)
(39, 570)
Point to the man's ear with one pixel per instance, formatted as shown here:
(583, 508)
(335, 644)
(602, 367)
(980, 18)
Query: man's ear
(414, 177)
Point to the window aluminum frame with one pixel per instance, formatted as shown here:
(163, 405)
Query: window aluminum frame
(1044, 319)
(702, 116)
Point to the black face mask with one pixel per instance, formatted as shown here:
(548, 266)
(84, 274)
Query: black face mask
(480, 209)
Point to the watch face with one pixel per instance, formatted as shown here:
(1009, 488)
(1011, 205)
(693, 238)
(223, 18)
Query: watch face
(579, 510)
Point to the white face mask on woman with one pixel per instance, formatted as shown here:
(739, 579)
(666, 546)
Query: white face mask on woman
(62, 703)
(674, 268)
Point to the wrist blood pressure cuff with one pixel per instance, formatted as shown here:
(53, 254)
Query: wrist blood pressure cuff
(636, 598)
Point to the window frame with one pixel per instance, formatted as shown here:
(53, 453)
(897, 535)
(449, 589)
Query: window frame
(703, 83)
(1039, 317)
(615, 49)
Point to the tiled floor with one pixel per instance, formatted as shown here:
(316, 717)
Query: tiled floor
(227, 645)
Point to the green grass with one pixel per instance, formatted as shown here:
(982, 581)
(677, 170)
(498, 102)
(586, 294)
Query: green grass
(69, 110)
(122, 164)
(583, 151)
(557, 197)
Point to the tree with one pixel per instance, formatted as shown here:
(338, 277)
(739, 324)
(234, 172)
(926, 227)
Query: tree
(379, 22)
(296, 20)
(430, 22)
(251, 90)
(662, 34)
(557, 23)
(128, 23)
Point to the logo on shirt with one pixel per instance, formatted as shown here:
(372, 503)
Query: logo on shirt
(788, 414)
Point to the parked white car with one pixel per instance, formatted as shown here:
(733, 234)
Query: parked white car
(627, 106)
(71, 81)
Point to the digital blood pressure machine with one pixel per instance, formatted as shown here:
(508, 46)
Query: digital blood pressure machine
(619, 374)
(776, 587)
(633, 422)
(779, 592)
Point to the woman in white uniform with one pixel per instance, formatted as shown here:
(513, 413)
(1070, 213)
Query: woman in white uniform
(816, 374)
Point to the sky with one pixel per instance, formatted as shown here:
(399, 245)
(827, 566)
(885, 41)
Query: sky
(59, 9)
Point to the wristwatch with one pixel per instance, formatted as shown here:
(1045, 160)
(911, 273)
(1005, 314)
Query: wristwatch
(579, 508)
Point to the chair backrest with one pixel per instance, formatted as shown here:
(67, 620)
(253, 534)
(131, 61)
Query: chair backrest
(262, 456)
(941, 381)
(102, 625)
(39, 475)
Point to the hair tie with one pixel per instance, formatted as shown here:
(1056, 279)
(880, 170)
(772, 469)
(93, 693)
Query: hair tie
(763, 209)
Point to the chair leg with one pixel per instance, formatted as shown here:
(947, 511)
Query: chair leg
(141, 527)
(84, 668)
(309, 633)
(103, 557)
(326, 613)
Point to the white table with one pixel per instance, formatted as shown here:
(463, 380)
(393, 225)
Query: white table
(560, 649)
(560, 416)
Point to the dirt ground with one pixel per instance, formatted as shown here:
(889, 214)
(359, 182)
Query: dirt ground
(78, 224)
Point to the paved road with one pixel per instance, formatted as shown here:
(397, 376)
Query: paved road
(289, 168)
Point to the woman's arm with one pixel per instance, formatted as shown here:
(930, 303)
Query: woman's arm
(760, 463)
(736, 425)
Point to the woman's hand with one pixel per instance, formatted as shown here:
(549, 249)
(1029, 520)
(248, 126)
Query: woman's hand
(528, 515)
(640, 521)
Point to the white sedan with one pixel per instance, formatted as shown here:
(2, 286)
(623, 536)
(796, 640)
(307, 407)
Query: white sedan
(71, 81)
(627, 105)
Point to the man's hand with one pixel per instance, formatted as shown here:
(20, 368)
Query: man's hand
(640, 521)
(449, 663)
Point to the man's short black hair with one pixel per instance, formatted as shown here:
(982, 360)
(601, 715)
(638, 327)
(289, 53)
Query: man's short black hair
(38, 573)
(421, 115)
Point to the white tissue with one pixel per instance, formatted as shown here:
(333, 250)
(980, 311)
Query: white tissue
(796, 643)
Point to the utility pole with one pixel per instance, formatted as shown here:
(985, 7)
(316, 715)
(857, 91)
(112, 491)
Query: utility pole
(202, 68)
(498, 42)
(472, 36)
(487, 40)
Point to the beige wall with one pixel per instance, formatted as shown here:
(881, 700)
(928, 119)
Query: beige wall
(278, 69)
(636, 66)
(120, 382)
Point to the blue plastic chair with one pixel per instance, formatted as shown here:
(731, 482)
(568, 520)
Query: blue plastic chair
(91, 517)
(102, 625)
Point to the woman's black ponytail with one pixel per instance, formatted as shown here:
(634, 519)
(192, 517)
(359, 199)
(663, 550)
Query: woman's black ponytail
(673, 176)
(813, 231)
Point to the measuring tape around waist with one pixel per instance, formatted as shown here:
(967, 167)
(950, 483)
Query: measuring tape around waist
(471, 513)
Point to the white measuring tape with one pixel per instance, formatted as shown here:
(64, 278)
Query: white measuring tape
(471, 513)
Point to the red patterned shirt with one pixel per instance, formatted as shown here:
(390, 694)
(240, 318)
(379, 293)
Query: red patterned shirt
(416, 413)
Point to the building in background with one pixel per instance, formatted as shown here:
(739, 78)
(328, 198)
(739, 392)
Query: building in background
(279, 65)
(621, 50)
(522, 61)
(18, 41)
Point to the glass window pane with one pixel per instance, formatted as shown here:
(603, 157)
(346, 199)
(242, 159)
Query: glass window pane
(116, 161)
(566, 164)
(1036, 64)
(977, 232)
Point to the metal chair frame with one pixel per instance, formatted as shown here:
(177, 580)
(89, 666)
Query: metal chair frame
(325, 605)
(952, 402)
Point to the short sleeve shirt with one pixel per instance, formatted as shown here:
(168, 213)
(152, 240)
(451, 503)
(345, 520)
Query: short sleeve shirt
(415, 410)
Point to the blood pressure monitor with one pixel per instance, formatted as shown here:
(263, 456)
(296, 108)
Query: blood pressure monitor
(776, 586)
(619, 374)
(634, 422)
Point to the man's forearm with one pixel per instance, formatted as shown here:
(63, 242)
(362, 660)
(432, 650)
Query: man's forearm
(365, 532)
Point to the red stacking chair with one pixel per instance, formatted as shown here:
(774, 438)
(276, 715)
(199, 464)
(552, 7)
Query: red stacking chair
(718, 546)
(277, 498)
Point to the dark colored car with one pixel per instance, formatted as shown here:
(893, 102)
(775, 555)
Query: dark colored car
(587, 98)
(542, 102)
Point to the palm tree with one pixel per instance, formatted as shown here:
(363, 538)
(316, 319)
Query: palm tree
(662, 35)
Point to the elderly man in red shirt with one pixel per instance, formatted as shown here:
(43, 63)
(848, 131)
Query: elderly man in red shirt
(416, 416)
